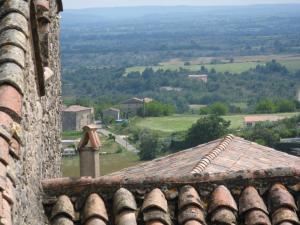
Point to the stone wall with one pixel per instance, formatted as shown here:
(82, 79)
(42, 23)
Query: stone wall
(40, 154)
(75, 121)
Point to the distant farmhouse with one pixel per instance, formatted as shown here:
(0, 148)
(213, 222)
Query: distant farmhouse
(250, 121)
(112, 113)
(131, 106)
(75, 117)
(168, 88)
(202, 77)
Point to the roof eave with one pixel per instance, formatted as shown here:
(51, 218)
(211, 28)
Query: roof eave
(289, 175)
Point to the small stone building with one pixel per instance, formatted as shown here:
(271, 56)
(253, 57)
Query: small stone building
(202, 77)
(75, 117)
(112, 113)
(131, 106)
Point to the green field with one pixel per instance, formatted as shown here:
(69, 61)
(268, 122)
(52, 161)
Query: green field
(109, 163)
(183, 122)
(238, 67)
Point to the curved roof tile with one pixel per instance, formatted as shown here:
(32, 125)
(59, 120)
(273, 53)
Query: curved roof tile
(251, 200)
(221, 197)
(94, 207)
(63, 206)
(280, 197)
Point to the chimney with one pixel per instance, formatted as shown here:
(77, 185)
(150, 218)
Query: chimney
(89, 147)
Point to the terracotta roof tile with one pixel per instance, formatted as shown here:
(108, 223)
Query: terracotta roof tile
(126, 218)
(193, 222)
(155, 199)
(189, 196)
(155, 209)
(94, 208)
(222, 198)
(62, 221)
(262, 118)
(76, 108)
(9, 193)
(223, 216)
(256, 217)
(4, 151)
(280, 197)
(124, 200)
(251, 200)
(191, 213)
(6, 218)
(284, 215)
(63, 208)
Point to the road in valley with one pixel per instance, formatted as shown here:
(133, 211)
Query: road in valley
(120, 139)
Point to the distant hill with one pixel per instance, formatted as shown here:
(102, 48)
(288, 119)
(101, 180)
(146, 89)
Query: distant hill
(120, 13)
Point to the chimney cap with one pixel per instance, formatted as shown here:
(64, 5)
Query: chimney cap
(90, 138)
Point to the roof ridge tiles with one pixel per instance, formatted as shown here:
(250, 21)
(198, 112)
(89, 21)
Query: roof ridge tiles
(208, 158)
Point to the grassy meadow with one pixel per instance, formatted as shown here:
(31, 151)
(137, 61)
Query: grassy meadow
(183, 122)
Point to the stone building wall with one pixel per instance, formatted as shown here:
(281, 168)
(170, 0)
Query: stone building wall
(83, 118)
(75, 121)
(40, 153)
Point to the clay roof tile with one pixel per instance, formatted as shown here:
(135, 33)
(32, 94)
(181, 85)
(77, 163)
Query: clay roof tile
(223, 216)
(126, 218)
(280, 197)
(250, 200)
(284, 215)
(221, 197)
(123, 200)
(62, 221)
(191, 213)
(156, 200)
(256, 217)
(94, 207)
(63, 206)
(189, 196)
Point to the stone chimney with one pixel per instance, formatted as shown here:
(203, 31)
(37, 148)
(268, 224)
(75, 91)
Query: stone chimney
(298, 95)
(89, 147)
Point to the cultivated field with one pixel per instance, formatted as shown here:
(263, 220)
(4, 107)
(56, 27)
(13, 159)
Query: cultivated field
(183, 122)
(239, 65)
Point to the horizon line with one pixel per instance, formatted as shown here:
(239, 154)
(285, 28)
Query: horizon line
(190, 5)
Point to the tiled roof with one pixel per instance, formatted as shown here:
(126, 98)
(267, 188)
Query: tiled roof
(111, 109)
(225, 182)
(185, 205)
(262, 118)
(231, 154)
(133, 101)
(76, 108)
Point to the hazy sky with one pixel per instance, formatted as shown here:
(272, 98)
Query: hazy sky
(71, 4)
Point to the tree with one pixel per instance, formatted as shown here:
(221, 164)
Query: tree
(285, 105)
(265, 106)
(206, 129)
(148, 145)
(219, 108)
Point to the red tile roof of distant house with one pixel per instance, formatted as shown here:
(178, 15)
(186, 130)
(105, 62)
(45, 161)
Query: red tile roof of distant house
(75, 108)
(262, 118)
